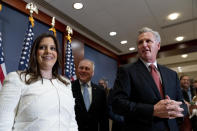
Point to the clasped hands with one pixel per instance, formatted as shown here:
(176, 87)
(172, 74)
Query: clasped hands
(168, 108)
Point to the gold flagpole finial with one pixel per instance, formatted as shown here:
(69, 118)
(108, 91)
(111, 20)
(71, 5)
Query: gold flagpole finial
(70, 32)
(0, 5)
(32, 8)
(53, 26)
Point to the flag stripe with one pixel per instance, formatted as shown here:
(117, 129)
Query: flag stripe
(2, 63)
(2, 77)
(4, 69)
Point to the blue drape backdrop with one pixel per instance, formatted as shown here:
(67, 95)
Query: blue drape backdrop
(105, 67)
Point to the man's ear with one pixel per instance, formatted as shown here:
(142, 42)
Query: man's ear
(159, 45)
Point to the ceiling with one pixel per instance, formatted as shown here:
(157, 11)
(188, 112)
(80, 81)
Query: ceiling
(99, 17)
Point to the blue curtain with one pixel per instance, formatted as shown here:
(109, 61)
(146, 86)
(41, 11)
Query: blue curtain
(105, 67)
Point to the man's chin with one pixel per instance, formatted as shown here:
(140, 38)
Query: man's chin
(146, 57)
(83, 80)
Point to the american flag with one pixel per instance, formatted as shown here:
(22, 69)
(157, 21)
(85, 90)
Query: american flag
(0, 5)
(69, 63)
(2, 63)
(28, 41)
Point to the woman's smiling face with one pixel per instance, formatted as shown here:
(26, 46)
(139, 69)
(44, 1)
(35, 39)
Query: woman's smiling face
(46, 53)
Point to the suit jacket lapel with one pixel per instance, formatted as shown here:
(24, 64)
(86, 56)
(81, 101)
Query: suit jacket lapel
(80, 95)
(142, 69)
(93, 96)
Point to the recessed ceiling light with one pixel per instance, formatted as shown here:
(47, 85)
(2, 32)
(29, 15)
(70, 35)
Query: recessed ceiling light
(184, 55)
(131, 48)
(179, 38)
(173, 16)
(123, 42)
(179, 69)
(113, 33)
(78, 6)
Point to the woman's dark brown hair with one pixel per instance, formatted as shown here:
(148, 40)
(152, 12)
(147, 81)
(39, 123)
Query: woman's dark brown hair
(33, 70)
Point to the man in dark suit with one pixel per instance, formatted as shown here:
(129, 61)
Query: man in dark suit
(187, 90)
(117, 120)
(147, 94)
(188, 94)
(195, 86)
(90, 104)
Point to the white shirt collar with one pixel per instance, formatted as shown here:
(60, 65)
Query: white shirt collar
(148, 64)
(88, 83)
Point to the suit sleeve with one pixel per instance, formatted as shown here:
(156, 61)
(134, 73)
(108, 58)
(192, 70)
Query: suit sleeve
(122, 102)
(180, 96)
(104, 122)
(9, 98)
(112, 115)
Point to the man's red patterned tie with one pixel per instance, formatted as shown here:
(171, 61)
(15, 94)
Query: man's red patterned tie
(156, 78)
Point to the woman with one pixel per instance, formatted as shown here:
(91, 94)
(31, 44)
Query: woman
(38, 99)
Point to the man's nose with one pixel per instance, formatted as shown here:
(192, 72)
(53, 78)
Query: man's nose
(144, 43)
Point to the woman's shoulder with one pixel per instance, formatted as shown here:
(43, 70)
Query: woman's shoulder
(13, 77)
(16, 75)
(13, 74)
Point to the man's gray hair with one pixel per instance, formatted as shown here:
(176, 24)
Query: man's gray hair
(92, 62)
(155, 33)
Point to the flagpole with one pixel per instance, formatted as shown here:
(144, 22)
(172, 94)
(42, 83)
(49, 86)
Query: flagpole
(69, 33)
(53, 26)
(32, 8)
